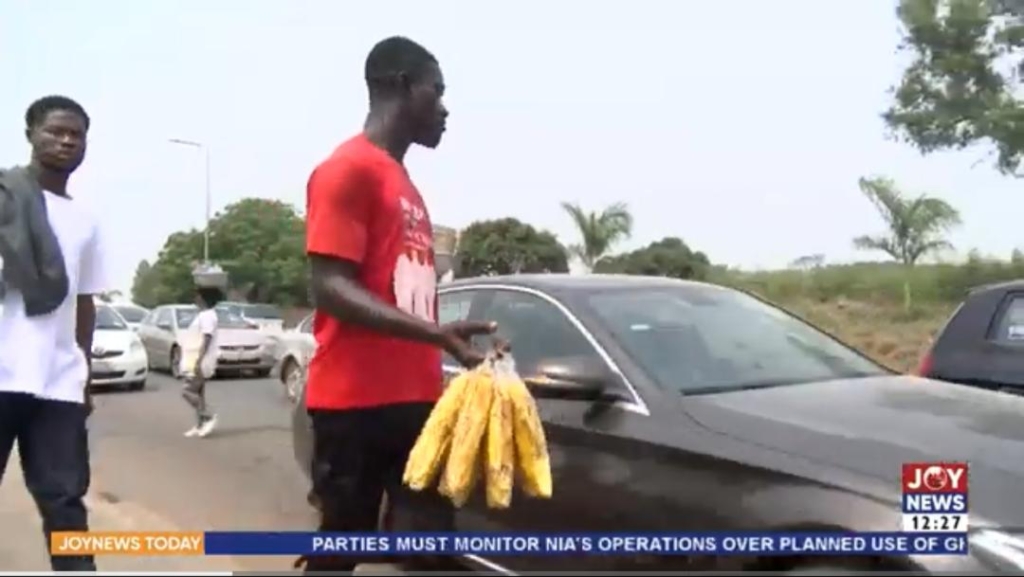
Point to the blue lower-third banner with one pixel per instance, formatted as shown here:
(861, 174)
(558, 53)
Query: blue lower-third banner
(299, 543)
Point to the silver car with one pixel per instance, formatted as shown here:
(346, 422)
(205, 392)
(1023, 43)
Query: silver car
(242, 346)
(293, 350)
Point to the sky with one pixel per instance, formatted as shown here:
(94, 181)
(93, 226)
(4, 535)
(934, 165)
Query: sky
(741, 127)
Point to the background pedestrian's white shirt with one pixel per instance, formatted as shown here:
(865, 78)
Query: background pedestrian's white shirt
(205, 323)
(40, 355)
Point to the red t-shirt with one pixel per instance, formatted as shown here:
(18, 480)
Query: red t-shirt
(362, 206)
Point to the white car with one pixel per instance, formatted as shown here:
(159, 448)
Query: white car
(118, 356)
(267, 318)
(293, 349)
(131, 313)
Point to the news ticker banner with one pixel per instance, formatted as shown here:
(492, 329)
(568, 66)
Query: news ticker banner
(500, 544)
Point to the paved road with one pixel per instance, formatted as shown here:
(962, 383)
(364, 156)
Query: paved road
(241, 477)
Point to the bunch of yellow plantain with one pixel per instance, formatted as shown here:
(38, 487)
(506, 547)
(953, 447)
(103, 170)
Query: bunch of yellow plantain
(485, 425)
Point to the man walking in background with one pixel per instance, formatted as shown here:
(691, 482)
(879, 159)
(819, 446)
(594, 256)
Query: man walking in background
(199, 363)
(376, 372)
(48, 319)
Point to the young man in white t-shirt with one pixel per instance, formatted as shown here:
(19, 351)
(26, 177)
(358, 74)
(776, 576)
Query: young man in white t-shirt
(199, 363)
(44, 359)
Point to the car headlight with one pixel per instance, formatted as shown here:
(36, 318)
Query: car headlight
(136, 347)
(1003, 547)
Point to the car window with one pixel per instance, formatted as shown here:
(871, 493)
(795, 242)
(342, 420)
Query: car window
(262, 312)
(164, 317)
(452, 307)
(108, 319)
(706, 340)
(184, 316)
(131, 314)
(229, 320)
(1010, 328)
(537, 330)
(306, 326)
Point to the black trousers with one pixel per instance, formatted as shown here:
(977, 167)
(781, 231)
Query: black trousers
(360, 454)
(54, 448)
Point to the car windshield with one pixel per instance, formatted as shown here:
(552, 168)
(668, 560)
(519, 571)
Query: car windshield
(262, 312)
(185, 316)
(132, 314)
(107, 319)
(225, 318)
(708, 340)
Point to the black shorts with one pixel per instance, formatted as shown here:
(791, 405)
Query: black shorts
(358, 455)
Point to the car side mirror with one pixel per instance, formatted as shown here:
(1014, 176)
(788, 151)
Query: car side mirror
(571, 378)
(164, 326)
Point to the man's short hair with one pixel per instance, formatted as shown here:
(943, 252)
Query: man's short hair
(394, 56)
(38, 110)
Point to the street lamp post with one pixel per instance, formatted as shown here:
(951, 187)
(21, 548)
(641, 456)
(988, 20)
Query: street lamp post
(206, 229)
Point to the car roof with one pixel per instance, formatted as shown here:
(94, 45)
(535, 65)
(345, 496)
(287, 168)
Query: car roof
(561, 282)
(1000, 286)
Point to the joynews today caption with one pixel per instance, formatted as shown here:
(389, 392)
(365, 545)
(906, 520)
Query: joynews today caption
(934, 513)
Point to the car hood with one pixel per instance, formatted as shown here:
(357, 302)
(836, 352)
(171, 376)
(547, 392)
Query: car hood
(110, 340)
(874, 425)
(240, 337)
(269, 325)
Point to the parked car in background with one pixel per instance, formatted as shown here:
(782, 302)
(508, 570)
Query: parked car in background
(982, 343)
(681, 406)
(131, 313)
(243, 348)
(294, 349)
(118, 356)
(267, 318)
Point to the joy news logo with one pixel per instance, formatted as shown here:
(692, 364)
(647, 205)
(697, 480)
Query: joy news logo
(934, 488)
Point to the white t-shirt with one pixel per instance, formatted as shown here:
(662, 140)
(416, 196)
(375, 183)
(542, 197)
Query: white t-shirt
(204, 324)
(40, 355)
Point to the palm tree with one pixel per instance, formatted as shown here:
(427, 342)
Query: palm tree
(916, 225)
(599, 231)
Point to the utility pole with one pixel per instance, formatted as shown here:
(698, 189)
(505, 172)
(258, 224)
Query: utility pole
(206, 229)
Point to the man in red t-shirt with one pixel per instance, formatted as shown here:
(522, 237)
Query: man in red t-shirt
(376, 372)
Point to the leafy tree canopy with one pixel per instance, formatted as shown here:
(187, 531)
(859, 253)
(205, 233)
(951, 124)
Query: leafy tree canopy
(507, 246)
(669, 257)
(259, 242)
(960, 88)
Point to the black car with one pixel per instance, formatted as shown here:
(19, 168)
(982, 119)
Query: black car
(982, 343)
(696, 407)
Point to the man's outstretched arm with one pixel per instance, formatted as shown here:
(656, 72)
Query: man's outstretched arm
(337, 291)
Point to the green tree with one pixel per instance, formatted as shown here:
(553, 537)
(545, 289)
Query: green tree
(507, 246)
(171, 274)
(599, 232)
(259, 242)
(669, 257)
(144, 284)
(916, 226)
(960, 87)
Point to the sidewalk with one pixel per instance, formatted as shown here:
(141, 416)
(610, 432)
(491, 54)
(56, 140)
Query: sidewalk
(23, 548)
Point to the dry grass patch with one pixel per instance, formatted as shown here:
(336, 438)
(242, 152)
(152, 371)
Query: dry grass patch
(883, 331)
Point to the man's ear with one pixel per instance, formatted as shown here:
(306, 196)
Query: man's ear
(28, 134)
